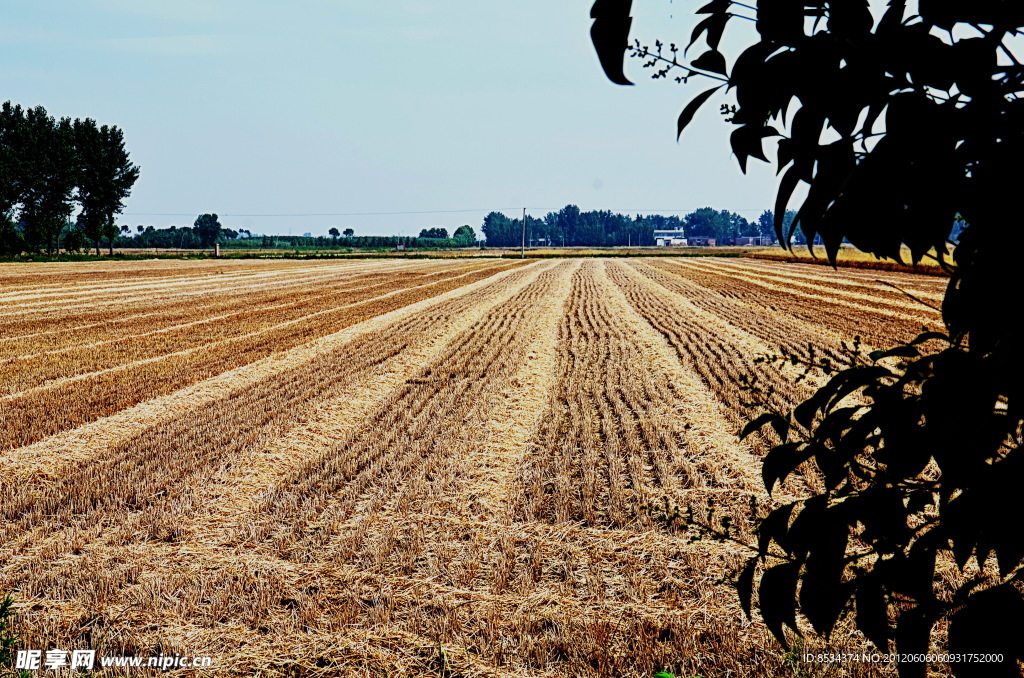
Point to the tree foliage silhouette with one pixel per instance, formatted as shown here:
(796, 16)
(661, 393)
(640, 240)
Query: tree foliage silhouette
(208, 228)
(105, 178)
(899, 124)
(47, 165)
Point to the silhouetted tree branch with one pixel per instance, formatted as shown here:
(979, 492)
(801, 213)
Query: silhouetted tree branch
(898, 126)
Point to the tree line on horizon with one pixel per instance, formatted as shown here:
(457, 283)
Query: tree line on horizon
(568, 227)
(208, 231)
(48, 168)
(572, 227)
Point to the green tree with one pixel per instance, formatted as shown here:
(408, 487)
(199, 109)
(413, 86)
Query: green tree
(349, 232)
(465, 236)
(334, 232)
(73, 238)
(105, 178)
(12, 148)
(898, 125)
(569, 224)
(706, 222)
(766, 224)
(48, 170)
(434, 233)
(207, 228)
(11, 241)
(497, 229)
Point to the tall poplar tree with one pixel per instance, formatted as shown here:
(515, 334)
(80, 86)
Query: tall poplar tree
(105, 178)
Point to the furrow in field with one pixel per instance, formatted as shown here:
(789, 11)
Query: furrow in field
(38, 371)
(109, 323)
(721, 353)
(54, 326)
(43, 460)
(149, 480)
(778, 331)
(519, 323)
(915, 280)
(339, 419)
(783, 320)
(26, 318)
(71, 291)
(29, 314)
(881, 305)
(79, 400)
(626, 425)
(414, 450)
(929, 288)
(41, 275)
(195, 316)
(97, 363)
(580, 471)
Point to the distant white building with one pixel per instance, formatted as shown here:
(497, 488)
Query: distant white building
(676, 238)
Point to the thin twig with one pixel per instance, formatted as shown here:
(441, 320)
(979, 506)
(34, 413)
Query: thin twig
(918, 300)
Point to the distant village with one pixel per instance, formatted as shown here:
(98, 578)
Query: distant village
(677, 238)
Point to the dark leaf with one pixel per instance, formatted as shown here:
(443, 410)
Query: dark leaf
(777, 421)
(712, 61)
(774, 528)
(783, 460)
(777, 595)
(872, 611)
(610, 35)
(786, 187)
(823, 594)
(746, 141)
(691, 109)
(714, 26)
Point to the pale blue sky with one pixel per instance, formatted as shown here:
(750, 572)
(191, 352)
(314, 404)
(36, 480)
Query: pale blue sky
(318, 106)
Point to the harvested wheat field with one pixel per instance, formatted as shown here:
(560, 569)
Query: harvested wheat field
(401, 468)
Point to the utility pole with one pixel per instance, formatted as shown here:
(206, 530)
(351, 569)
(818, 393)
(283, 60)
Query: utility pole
(523, 253)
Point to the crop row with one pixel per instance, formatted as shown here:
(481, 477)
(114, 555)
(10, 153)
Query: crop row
(66, 404)
(606, 448)
(149, 484)
(24, 321)
(879, 317)
(147, 340)
(83, 282)
(405, 454)
(370, 542)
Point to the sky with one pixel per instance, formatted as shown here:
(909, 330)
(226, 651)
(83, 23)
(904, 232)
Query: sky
(384, 117)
